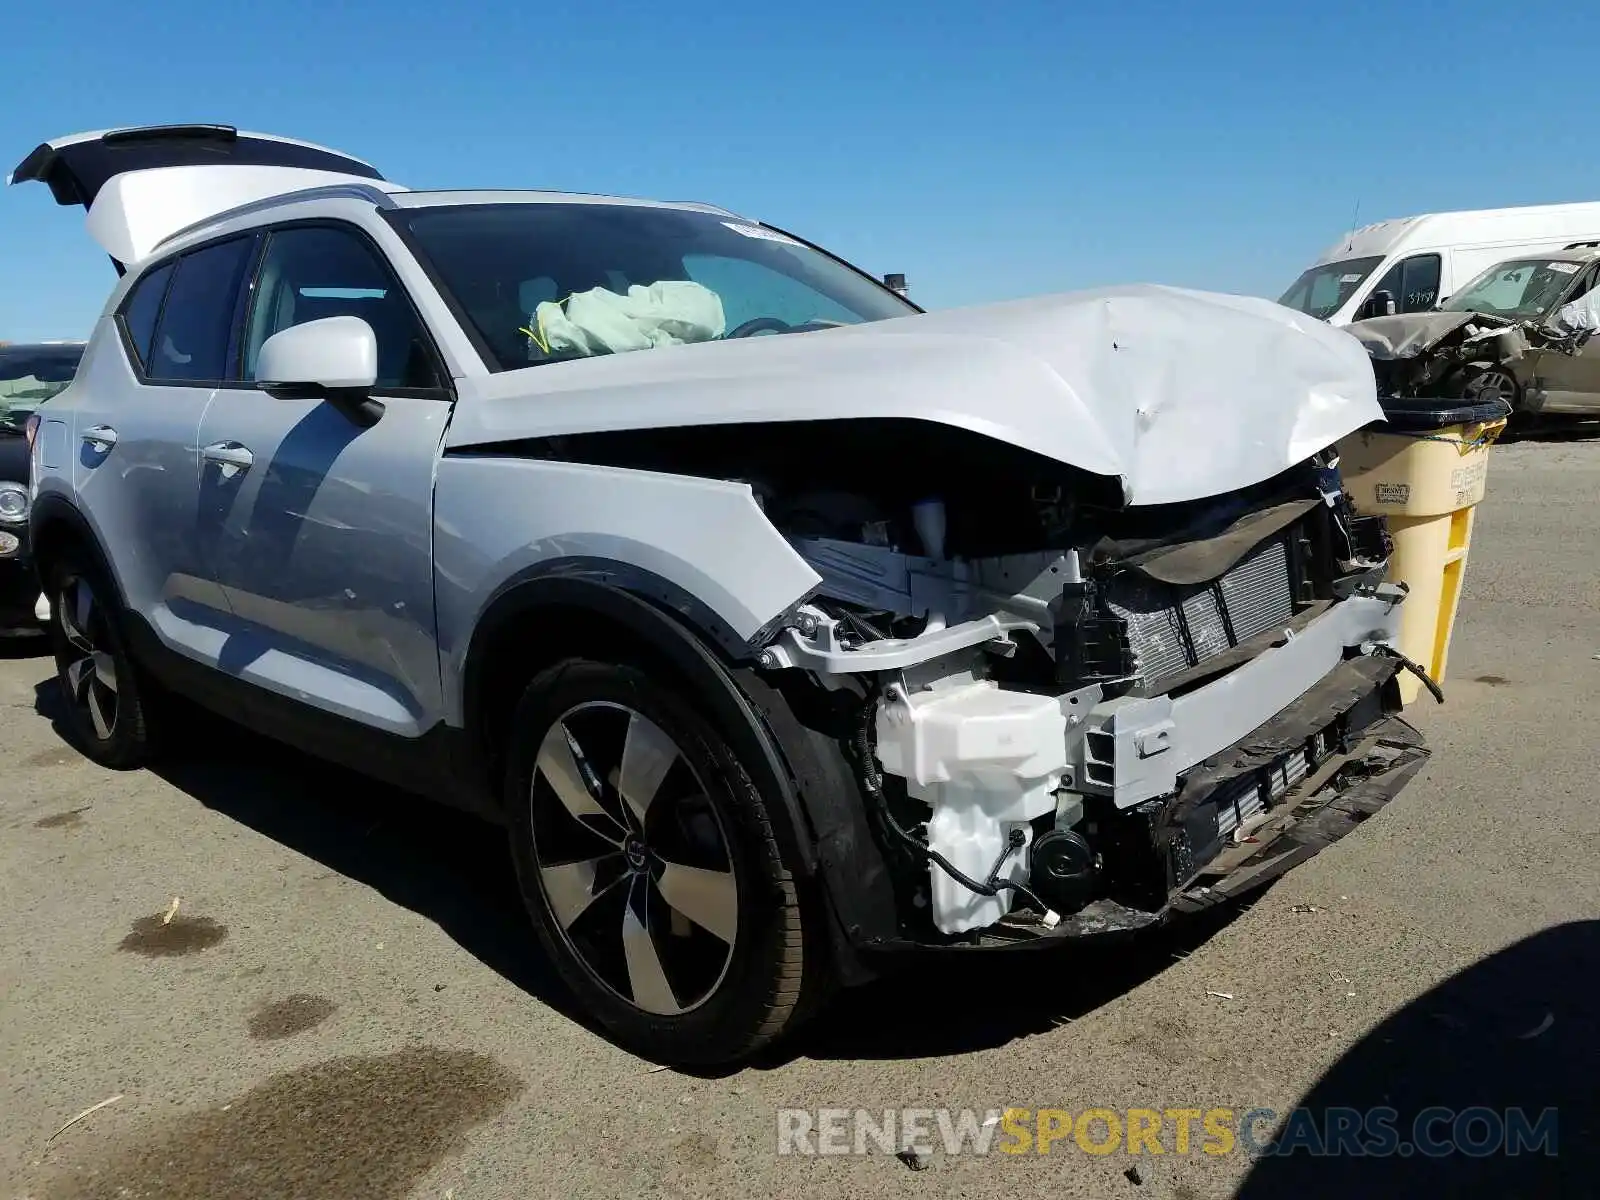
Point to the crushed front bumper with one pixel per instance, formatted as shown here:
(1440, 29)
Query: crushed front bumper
(1211, 790)
(1373, 754)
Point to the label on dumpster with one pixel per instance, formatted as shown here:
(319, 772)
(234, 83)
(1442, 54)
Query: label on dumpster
(1468, 481)
(1393, 493)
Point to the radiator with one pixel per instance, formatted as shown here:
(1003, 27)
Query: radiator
(1171, 629)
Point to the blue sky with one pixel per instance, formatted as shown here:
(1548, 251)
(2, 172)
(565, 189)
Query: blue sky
(987, 151)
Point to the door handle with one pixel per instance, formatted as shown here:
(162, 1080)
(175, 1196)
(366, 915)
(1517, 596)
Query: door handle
(100, 437)
(231, 456)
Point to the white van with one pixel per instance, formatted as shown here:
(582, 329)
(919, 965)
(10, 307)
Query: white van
(1419, 261)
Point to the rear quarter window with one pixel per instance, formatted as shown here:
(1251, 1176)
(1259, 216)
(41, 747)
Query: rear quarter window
(141, 310)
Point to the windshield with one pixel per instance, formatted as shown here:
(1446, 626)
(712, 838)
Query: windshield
(30, 375)
(550, 282)
(1523, 289)
(1321, 291)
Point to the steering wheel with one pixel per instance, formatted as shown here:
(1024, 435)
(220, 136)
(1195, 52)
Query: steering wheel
(759, 325)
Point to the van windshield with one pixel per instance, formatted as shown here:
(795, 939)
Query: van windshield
(1521, 289)
(1322, 290)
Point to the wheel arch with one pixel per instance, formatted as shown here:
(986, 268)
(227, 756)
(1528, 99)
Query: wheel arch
(541, 617)
(819, 814)
(55, 525)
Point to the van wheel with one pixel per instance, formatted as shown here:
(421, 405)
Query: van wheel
(646, 857)
(105, 694)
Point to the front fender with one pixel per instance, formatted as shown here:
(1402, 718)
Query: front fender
(699, 547)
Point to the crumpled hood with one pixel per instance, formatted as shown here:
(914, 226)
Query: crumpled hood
(1179, 394)
(1410, 334)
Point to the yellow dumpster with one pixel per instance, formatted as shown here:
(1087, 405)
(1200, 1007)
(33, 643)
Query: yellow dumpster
(1424, 469)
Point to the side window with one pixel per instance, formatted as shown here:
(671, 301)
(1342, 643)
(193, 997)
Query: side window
(141, 309)
(1419, 283)
(1414, 283)
(1586, 283)
(317, 271)
(191, 342)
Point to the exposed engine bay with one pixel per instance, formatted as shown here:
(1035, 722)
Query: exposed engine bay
(1021, 710)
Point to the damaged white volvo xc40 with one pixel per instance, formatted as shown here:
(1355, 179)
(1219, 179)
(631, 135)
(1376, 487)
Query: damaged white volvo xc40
(783, 626)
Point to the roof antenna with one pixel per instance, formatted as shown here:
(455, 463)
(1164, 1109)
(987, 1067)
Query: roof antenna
(1354, 217)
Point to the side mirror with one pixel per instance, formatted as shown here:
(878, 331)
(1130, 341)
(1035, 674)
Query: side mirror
(334, 359)
(1379, 304)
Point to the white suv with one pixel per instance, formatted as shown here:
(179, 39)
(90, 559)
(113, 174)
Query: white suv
(782, 625)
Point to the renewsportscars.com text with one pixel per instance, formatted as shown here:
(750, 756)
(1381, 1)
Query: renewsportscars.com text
(1436, 1132)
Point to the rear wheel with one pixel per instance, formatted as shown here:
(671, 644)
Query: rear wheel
(646, 858)
(106, 699)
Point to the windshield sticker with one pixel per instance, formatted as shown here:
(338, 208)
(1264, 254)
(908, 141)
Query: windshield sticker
(1350, 278)
(765, 235)
(1561, 268)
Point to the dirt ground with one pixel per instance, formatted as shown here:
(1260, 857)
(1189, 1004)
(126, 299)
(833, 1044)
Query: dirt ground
(348, 1004)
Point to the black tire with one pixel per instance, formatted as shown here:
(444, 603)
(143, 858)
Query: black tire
(108, 702)
(1478, 382)
(758, 994)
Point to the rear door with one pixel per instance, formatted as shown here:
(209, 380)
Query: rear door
(142, 185)
(137, 414)
(318, 527)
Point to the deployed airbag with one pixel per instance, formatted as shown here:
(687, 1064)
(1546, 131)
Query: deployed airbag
(668, 313)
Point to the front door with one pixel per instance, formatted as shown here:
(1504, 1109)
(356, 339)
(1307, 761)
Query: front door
(1571, 382)
(319, 527)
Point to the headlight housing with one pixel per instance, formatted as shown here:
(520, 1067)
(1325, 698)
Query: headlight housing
(13, 503)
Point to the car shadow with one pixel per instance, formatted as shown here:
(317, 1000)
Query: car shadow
(988, 998)
(454, 870)
(1518, 1030)
(1554, 429)
(447, 866)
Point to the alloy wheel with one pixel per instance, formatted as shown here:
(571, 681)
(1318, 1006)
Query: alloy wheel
(88, 671)
(1492, 385)
(633, 859)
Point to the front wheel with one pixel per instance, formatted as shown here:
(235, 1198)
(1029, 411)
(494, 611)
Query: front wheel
(646, 857)
(1487, 385)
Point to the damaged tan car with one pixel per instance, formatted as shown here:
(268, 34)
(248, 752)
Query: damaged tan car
(1521, 332)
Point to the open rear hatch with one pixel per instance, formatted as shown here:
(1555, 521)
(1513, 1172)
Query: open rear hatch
(142, 185)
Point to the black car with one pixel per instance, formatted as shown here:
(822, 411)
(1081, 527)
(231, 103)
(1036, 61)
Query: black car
(30, 373)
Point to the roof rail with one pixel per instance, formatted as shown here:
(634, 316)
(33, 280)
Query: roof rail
(331, 191)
